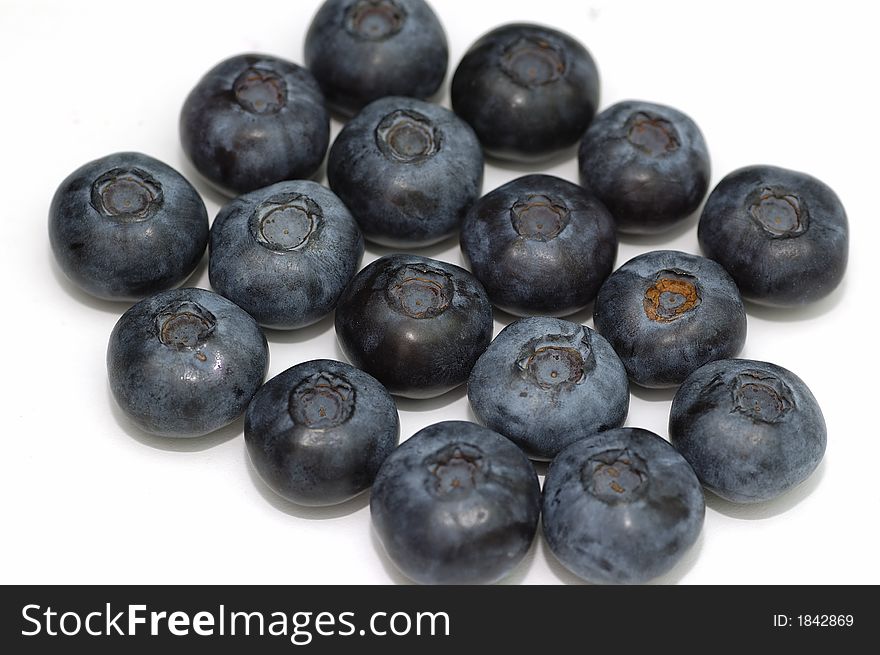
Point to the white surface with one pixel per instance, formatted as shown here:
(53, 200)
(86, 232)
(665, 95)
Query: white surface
(88, 498)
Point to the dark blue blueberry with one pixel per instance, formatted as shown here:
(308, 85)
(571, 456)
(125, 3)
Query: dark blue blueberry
(185, 362)
(751, 430)
(527, 90)
(318, 432)
(362, 50)
(415, 324)
(545, 383)
(540, 245)
(647, 163)
(782, 235)
(456, 503)
(285, 253)
(621, 507)
(126, 226)
(667, 313)
(408, 170)
(253, 120)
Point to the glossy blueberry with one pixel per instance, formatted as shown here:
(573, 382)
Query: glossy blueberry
(544, 383)
(528, 91)
(285, 253)
(253, 120)
(540, 245)
(667, 313)
(415, 324)
(185, 362)
(126, 225)
(456, 503)
(782, 235)
(362, 50)
(318, 432)
(621, 507)
(408, 170)
(647, 163)
(751, 430)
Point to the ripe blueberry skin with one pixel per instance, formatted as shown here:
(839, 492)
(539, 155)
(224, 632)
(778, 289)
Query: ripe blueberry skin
(416, 324)
(456, 503)
(667, 313)
(117, 254)
(751, 430)
(254, 120)
(280, 282)
(621, 507)
(318, 432)
(544, 383)
(402, 199)
(540, 245)
(647, 163)
(185, 362)
(795, 261)
(528, 91)
(400, 49)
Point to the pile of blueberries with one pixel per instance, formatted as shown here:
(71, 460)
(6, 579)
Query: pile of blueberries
(460, 502)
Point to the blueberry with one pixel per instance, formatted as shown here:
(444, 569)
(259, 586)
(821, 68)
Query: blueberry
(621, 507)
(456, 504)
(667, 313)
(647, 163)
(185, 362)
(318, 432)
(751, 430)
(408, 170)
(253, 120)
(545, 383)
(285, 253)
(540, 245)
(782, 235)
(527, 90)
(415, 324)
(362, 50)
(126, 225)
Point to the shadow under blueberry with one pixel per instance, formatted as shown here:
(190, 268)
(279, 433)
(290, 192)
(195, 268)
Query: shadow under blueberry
(788, 314)
(173, 444)
(535, 167)
(661, 240)
(300, 335)
(581, 317)
(663, 395)
(770, 508)
(303, 511)
(430, 404)
(432, 251)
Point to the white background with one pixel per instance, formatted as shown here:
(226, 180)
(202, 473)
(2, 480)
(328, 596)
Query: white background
(86, 497)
